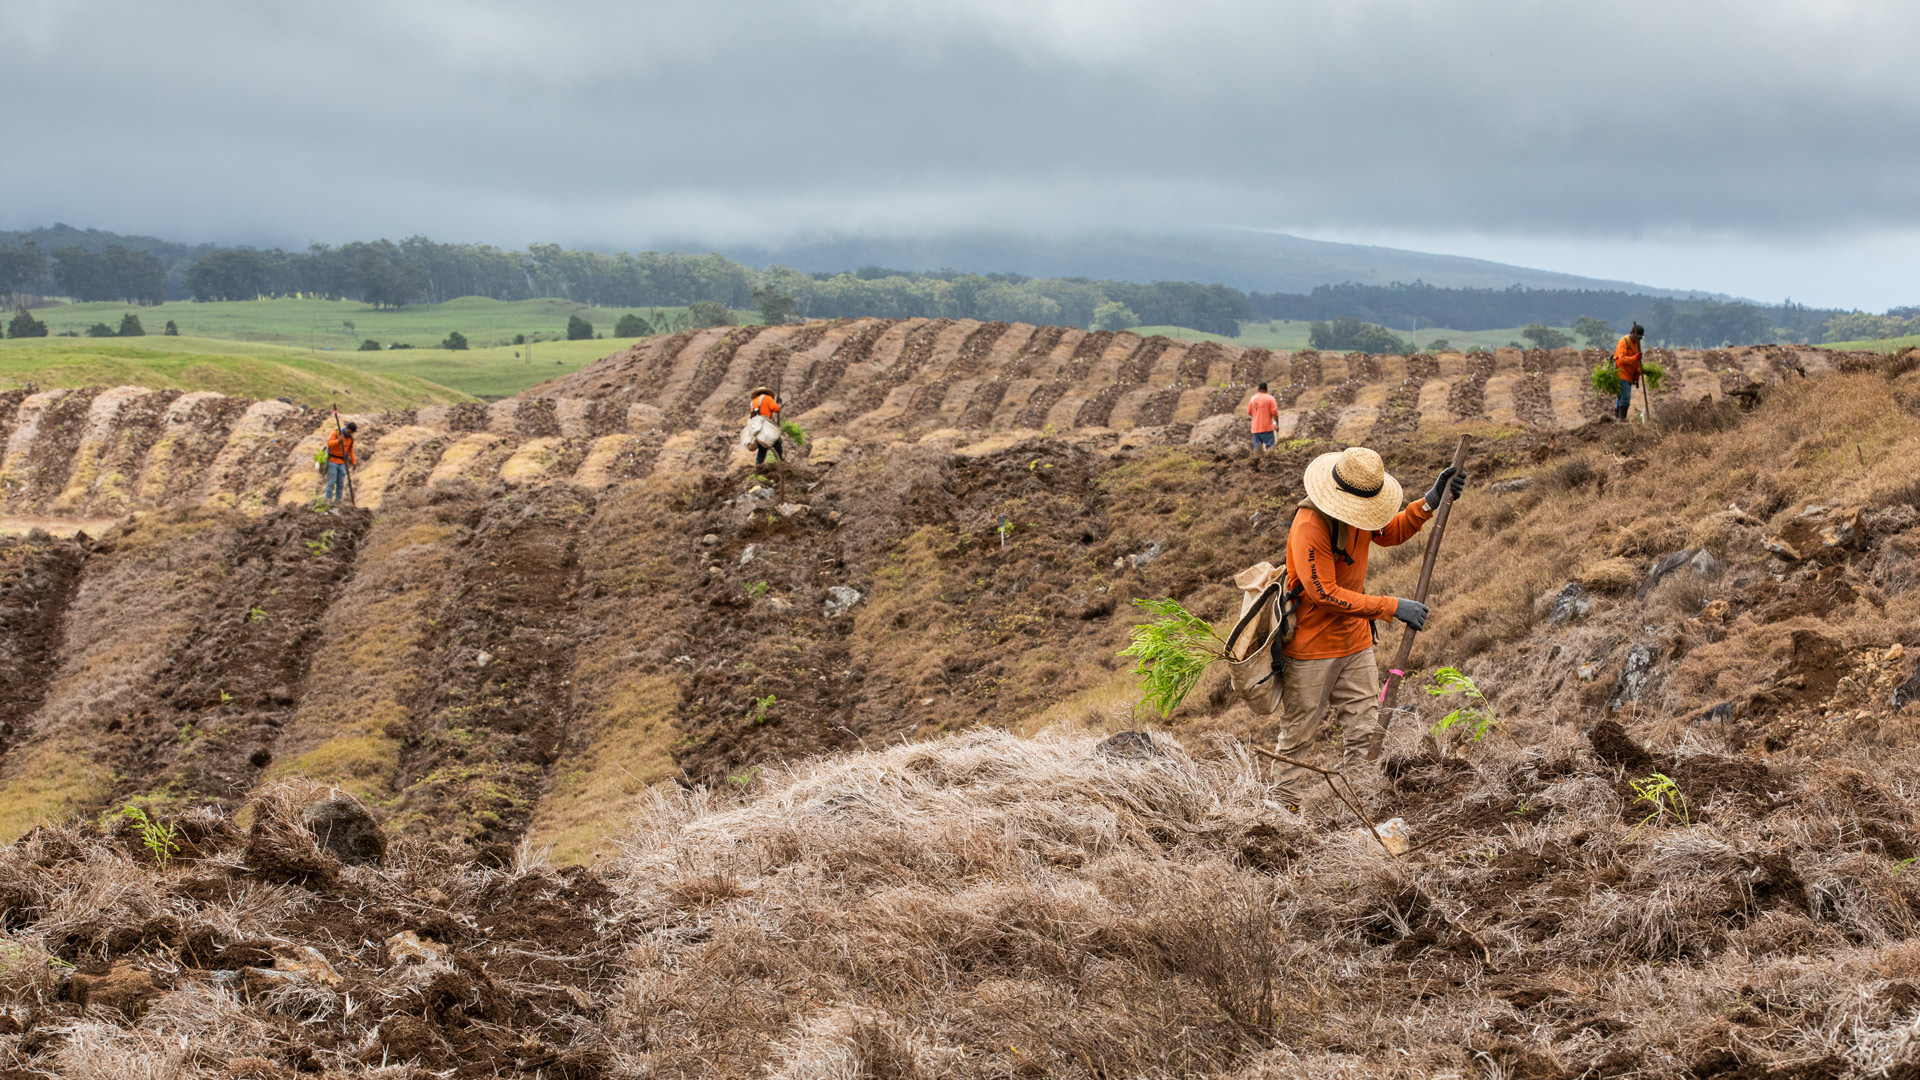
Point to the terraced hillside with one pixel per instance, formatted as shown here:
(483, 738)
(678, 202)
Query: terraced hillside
(669, 406)
(546, 608)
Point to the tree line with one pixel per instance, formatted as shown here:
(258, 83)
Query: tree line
(92, 265)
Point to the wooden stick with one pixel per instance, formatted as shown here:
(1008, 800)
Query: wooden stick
(1391, 691)
(1328, 775)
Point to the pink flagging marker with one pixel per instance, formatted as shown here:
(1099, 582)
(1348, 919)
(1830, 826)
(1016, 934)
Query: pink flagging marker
(1397, 674)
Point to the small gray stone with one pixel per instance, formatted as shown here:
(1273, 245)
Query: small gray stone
(710, 539)
(1706, 565)
(1507, 487)
(1633, 678)
(840, 599)
(1570, 603)
(1668, 564)
(752, 553)
(779, 606)
(1154, 551)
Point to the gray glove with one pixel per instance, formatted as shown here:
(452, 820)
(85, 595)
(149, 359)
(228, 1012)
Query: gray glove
(1450, 479)
(1411, 612)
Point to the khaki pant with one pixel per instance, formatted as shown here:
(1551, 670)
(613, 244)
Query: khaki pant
(1351, 686)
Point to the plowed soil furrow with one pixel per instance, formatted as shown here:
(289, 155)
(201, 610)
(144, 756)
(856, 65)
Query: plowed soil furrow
(825, 378)
(1043, 340)
(1533, 391)
(1303, 374)
(1159, 407)
(9, 412)
(986, 398)
(769, 370)
(1134, 372)
(967, 363)
(914, 353)
(707, 376)
(1467, 399)
(1071, 375)
(1324, 418)
(494, 703)
(125, 456)
(193, 432)
(37, 577)
(231, 679)
(49, 461)
(1401, 412)
(1250, 367)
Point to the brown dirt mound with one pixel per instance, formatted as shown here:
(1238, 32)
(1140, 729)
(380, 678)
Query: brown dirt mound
(1467, 399)
(708, 374)
(37, 577)
(825, 376)
(1303, 374)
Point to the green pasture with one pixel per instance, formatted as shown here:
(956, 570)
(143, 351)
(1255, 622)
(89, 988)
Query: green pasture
(498, 371)
(341, 325)
(1892, 344)
(239, 369)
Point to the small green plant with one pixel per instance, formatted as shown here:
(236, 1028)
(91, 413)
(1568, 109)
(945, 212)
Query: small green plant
(758, 589)
(319, 505)
(225, 697)
(1662, 796)
(1607, 382)
(1478, 714)
(256, 613)
(744, 779)
(1171, 652)
(756, 478)
(322, 545)
(760, 707)
(161, 840)
(792, 430)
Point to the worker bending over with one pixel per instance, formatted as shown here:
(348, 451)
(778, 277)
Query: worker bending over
(766, 404)
(1351, 505)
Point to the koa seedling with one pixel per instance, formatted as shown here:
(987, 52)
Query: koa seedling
(1171, 652)
(1662, 797)
(161, 840)
(1476, 715)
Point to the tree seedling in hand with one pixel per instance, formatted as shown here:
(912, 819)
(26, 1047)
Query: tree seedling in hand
(1171, 653)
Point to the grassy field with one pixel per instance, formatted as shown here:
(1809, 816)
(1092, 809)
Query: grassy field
(1292, 334)
(340, 325)
(1892, 344)
(499, 371)
(243, 370)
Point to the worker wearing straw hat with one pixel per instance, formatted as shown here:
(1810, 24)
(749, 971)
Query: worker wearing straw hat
(1351, 505)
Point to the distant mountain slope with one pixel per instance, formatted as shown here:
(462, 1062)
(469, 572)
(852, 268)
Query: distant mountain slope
(1244, 259)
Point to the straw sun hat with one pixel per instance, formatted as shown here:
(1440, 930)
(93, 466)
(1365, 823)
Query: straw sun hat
(1353, 486)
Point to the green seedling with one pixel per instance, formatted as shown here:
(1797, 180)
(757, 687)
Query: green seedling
(256, 613)
(1663, 798)
(1478, 714)
(758, 589)
(160, 840)
(792, 430)
(1171, 653)
(744, 779)
(760, 707)
(322, 545)
(225, 697)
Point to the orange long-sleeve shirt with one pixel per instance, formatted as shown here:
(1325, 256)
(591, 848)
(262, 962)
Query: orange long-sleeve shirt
(1626, 359)
(340, 448)
(1334, 607)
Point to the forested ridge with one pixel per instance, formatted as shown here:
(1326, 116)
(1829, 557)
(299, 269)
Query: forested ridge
(96, 265)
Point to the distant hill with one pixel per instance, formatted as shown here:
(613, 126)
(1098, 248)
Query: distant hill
(1243, 259)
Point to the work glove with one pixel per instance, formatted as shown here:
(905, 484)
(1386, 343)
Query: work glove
(1411, 612)
(1450, 479)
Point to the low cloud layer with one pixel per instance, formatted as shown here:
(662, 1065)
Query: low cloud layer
(1757, 122)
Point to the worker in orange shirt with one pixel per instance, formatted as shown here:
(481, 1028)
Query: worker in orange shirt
(1351, 505)
(766, 404)
(1626, 364)
(339, 459)
(1265, 412)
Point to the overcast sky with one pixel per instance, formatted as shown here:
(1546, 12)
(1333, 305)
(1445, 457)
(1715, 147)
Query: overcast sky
(1759, 147)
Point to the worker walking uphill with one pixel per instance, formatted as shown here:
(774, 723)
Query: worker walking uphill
(339, 459)
(1351, 505)
(766, 405)
(1626, 364)
(1266, 413)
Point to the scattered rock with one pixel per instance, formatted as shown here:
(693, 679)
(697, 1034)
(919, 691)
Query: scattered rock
(1633, 678)
(1508, 487)
(1589, 670)
(759, 494)
(752, 553)
(840, 599)
(1609, 576)
(1777, 546)
(1154, 550)
(779, 606)
(1716, 610)
(1570, 603)
(407, 947)
(1127, 746)
(710, 539)
(1392, 832)
(1843, 531)
(346, 829)
(483, 659)
(1667, 564)
(788, 510)
(1907, 692)
(123, 988)
(1220, 429)
(833, 517)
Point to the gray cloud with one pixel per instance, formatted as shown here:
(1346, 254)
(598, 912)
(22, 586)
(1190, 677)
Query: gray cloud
(617, 123)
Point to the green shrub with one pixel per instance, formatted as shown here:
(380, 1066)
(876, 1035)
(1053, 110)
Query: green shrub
(369, 345)
(455, 340)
